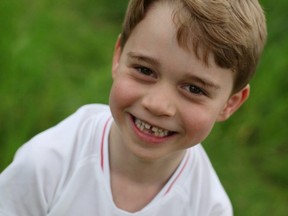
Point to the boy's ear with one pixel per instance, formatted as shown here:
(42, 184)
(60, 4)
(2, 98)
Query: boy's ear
(233, 103)
(116, 56)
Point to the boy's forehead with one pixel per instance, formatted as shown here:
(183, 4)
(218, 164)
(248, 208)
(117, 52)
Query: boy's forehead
(159, 20)
(160, 16)
(155, 29)
(185, 33)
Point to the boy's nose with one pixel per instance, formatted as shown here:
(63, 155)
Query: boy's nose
(159, 102)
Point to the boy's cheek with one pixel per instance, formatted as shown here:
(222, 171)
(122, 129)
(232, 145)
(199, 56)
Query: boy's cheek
(196, 123)
(123, 92)
(202, 126)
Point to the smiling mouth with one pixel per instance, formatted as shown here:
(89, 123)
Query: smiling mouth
(150, 129)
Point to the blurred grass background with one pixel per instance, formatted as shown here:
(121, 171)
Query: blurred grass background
(56, 56)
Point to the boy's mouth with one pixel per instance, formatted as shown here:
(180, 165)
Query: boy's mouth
(150, 129)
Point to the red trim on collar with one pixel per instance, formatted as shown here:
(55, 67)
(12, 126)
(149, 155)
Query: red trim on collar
(102, 143)
(178, 175)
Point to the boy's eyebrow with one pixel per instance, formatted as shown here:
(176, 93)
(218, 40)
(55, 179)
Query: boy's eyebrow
(204, 82)
(141, 57)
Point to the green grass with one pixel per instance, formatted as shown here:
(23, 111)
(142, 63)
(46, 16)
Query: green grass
(56, 56)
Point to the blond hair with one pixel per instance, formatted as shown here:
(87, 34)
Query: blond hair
(234, 31)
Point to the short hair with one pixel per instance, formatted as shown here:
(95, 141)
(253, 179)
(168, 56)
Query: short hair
(234, 31)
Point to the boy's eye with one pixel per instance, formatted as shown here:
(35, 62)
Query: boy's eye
(194, 89)
(145, 71)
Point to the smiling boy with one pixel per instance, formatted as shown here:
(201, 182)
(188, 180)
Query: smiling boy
(178, 67)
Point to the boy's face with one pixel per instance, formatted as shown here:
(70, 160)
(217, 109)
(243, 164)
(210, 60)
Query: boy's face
(163, 99)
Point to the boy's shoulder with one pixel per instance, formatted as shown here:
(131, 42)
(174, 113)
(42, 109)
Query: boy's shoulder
(59, 149)
(71, 132)
(69, 140)
(92, 109)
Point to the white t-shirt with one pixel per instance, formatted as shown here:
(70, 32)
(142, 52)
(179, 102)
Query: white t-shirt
(64, 171)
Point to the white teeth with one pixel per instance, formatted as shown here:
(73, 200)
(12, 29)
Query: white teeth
(154, 129)
(145, 127)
